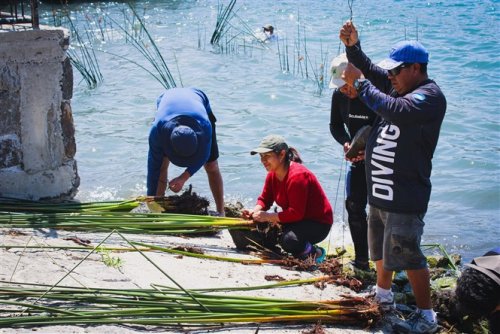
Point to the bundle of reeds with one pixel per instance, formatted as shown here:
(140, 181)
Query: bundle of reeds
(171, 307)
(189, 202)
(125, 222)
(186, 213)
(22, 205)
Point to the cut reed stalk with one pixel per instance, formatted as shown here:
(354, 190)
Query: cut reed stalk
(165, 273)
(282, 284)
(77, 248)
(172, 307)
(206, 256)
(20, 205)
(148, 223)
(111, 215)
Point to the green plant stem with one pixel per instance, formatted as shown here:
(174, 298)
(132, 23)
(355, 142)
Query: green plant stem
(70, 271)
(163, 272)
(444, 252)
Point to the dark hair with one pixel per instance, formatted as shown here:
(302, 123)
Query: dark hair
(477, 294)
(292, 155)
(269, 28)
(423, 68)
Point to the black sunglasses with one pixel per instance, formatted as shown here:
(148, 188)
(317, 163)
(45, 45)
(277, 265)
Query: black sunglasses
(397, 70)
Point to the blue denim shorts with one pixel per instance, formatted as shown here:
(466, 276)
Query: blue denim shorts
(395, 238)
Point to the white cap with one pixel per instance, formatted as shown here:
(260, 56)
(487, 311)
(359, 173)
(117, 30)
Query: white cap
(337, 67)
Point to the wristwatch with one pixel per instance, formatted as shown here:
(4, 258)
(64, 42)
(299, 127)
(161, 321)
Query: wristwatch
(358, 82)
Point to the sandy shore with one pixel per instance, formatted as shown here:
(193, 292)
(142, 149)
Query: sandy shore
(49, 266)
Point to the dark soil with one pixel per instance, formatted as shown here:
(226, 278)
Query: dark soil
(317, 329)
(186, 203)
(194, 250)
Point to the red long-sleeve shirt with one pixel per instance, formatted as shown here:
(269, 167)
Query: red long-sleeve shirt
(299, 195)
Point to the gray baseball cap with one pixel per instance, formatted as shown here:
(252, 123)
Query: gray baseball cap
(270, 143)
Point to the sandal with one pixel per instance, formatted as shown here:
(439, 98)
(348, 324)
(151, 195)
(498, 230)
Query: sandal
(322, 257)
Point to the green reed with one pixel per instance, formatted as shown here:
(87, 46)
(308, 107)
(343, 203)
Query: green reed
(143, 42)
(170, 307)
(224, 15)
(82, 55)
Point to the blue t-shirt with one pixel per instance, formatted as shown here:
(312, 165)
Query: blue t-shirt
(189, 104)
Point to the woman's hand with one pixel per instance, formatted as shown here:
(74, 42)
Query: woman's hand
(247, 214)
(266, 217)
(260, 216)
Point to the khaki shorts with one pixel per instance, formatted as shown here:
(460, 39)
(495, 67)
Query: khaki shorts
(395, 238)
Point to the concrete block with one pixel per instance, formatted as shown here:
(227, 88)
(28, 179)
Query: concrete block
(37, 143)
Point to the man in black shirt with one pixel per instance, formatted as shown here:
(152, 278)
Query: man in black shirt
(348, 115)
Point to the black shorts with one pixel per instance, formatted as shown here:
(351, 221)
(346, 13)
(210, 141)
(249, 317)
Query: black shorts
(214, 149)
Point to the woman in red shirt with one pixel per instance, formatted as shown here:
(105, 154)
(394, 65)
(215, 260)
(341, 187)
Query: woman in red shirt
(306, 216)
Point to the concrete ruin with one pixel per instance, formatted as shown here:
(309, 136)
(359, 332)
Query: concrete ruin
(37, 142)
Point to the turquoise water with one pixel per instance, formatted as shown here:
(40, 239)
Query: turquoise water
(252, 97)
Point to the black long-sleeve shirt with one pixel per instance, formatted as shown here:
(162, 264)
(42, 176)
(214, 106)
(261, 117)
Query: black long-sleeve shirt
(399, 150)
(347, 116)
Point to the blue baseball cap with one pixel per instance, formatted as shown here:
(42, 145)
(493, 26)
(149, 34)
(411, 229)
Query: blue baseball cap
(186, 141)
(405, 52)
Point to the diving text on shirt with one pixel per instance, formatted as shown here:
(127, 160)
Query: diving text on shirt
(383, 159)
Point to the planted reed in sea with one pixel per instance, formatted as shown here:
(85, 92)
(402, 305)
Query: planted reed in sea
(224, 15)
(147, 47)
(84, 60)
(319, 71)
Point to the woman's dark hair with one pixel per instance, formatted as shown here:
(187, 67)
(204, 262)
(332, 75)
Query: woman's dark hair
(476, 293)
(292, 155)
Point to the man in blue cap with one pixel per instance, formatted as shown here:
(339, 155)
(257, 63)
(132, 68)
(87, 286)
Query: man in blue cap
(398, 160)
(183, 133)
